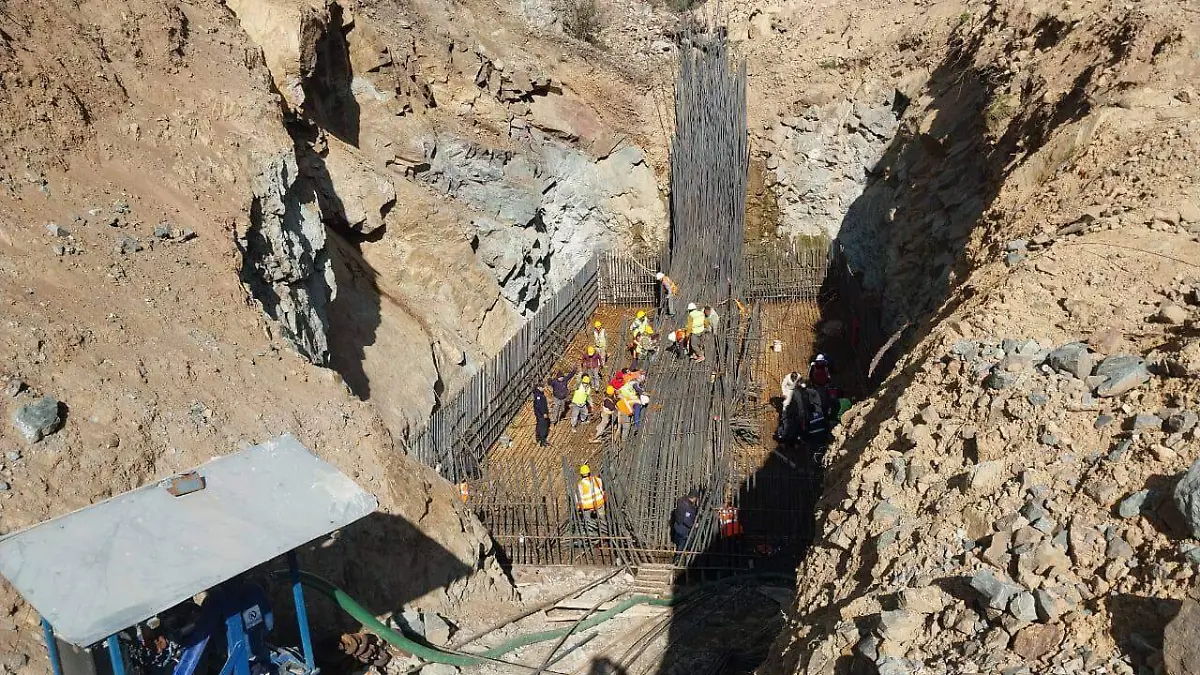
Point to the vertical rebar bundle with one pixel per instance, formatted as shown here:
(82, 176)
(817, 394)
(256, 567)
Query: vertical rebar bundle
(710, 162)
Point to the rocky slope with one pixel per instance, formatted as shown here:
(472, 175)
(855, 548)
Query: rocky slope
(221, 221)
(1013, 499)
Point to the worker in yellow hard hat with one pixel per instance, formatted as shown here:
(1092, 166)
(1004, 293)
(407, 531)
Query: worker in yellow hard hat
(645, 347)
(581, 400)
(640, 323)
(608, 408)
(600, 342)
(590, 363)
(589, 502)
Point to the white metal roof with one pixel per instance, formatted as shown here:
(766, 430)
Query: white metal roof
(111, 565)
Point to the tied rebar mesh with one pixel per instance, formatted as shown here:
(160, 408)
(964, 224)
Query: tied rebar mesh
(685, 442)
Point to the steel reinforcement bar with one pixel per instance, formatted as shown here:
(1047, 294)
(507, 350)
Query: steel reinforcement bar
(468, 422)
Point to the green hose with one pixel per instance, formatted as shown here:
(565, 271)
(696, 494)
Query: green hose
(434, 655)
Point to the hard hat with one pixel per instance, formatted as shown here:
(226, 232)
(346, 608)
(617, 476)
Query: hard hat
(609, 390)
(598, 324)
(691, 306)
(671, 336)
(584, 470)
(659, 275)
(820, 358)
(586, 379)
(644, 399)
(649, 330)
(591, 351)
(641, 314)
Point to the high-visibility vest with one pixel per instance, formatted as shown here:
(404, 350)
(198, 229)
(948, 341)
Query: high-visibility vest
(625, 406)
(638, 326)
(590, 493)
(464, 491)
(628, 392)
(727, 518)
(600, 339)
(580, 397)
(696, 321)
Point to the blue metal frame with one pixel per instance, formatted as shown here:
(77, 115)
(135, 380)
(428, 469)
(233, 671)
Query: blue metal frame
(114, 655)
(301, 612)
(51, 647)
(237, 639)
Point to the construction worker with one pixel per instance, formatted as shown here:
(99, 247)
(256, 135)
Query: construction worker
(711, 319)
(816, 425)
(464, 491)
(695, 328)
(541, 416)
(788, 388)
(669, 292)
(608, 408)
(727, 522)
(683, 519)
(640, 323)
(629, 403)
(591, 363)
(560, 389)
(644, 348)
(818, 372)
(589, 501)
(581, 401)
(600, 342)
(681, 343)
(639, 410)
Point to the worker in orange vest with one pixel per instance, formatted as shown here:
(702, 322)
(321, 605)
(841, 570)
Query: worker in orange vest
(727, 521)
(464, 491)
(589, 501)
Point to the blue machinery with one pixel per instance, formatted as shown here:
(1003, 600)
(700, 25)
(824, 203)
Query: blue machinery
(125, 586)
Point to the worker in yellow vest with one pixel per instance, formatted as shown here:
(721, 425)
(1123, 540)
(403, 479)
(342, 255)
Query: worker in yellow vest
(600, 342)
(581, 401)
(589, 501)
(639, 324)
(696, 327)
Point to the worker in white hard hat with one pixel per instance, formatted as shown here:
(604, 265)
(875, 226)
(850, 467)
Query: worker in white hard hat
(669, 291)
(818, 372)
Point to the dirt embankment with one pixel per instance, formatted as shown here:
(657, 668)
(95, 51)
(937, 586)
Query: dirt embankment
(1012, 499)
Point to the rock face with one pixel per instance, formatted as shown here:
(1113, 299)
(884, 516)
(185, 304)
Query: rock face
(542, 212)
(285, 263)
(37, 420)
(821, 159)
